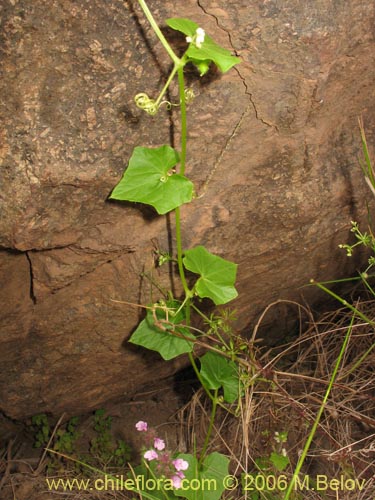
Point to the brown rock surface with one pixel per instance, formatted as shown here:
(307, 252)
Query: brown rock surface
(273, 149)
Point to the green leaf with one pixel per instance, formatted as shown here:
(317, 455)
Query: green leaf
(149, 179)
(166, 343)
(211, 474)
(203, 66)
(279, 461)
(218, 371)
(217, 275)
(209, 51)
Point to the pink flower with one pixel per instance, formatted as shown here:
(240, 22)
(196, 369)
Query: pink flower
(180, 464)
(141, 426)
(150, 455)
(159, 444)
(176, 481)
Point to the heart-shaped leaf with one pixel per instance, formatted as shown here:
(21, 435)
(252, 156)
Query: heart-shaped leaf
(217, 275)
(167, 344)
(279, 461)
(150, 179)
(218, 371)
(212, 472)
(208, 51)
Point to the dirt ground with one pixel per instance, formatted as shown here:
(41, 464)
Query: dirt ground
(22, 473)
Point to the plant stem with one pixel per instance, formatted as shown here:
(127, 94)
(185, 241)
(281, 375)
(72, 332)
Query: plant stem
(345, 303)
(199, 377)
(210, 427)
(181, 86)
(158, 32)
(320, 412)
(105, 474)
(181, 270)
(179, 68)
(165, 88)
(179, 251)
(358, 363)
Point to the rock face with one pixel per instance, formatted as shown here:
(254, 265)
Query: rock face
(273, 149)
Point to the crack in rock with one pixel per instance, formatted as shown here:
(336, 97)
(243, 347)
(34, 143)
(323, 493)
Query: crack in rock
(247, 92)
(223, 151)
(244, 113)
(31, 276)
(104, 258)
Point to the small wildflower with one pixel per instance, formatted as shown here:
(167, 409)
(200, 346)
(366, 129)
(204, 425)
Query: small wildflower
(200, 34)
(141, 426)
(198, 38)
(176, 481)
(180, 464)
(283, 452)
(159, 444)
(150, 455)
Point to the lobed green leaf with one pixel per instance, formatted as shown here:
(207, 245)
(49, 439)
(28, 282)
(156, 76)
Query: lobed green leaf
(166, 343)
(209, 51)
(279, 461)
(217, 275)
(218, 371)
(150, 179)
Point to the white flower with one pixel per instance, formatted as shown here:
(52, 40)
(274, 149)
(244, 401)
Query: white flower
(200, 34)
(198, 38)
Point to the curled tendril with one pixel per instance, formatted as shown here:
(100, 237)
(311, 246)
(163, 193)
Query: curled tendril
(168, 104)
(151, 107)
(189, 97)
(144, 102)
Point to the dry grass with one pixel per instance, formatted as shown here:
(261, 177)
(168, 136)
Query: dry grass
(298, 375)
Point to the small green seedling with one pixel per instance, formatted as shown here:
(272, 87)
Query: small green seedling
(41, 430)
(103, 447)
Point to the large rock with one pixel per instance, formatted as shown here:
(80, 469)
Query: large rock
(273, 149)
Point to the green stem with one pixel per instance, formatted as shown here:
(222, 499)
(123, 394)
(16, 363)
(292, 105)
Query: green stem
(165, 88)
(209, 323)
(105, 474)
(158, 33)
(199, 377)
(344, 303)
(180, 264)
(320, 412)
(181, 270)
(151, 473)
(178, 67)
(358, 363)
(210, 428)
(181, 86)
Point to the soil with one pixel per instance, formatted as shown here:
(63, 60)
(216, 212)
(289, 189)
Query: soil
(23, 474)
